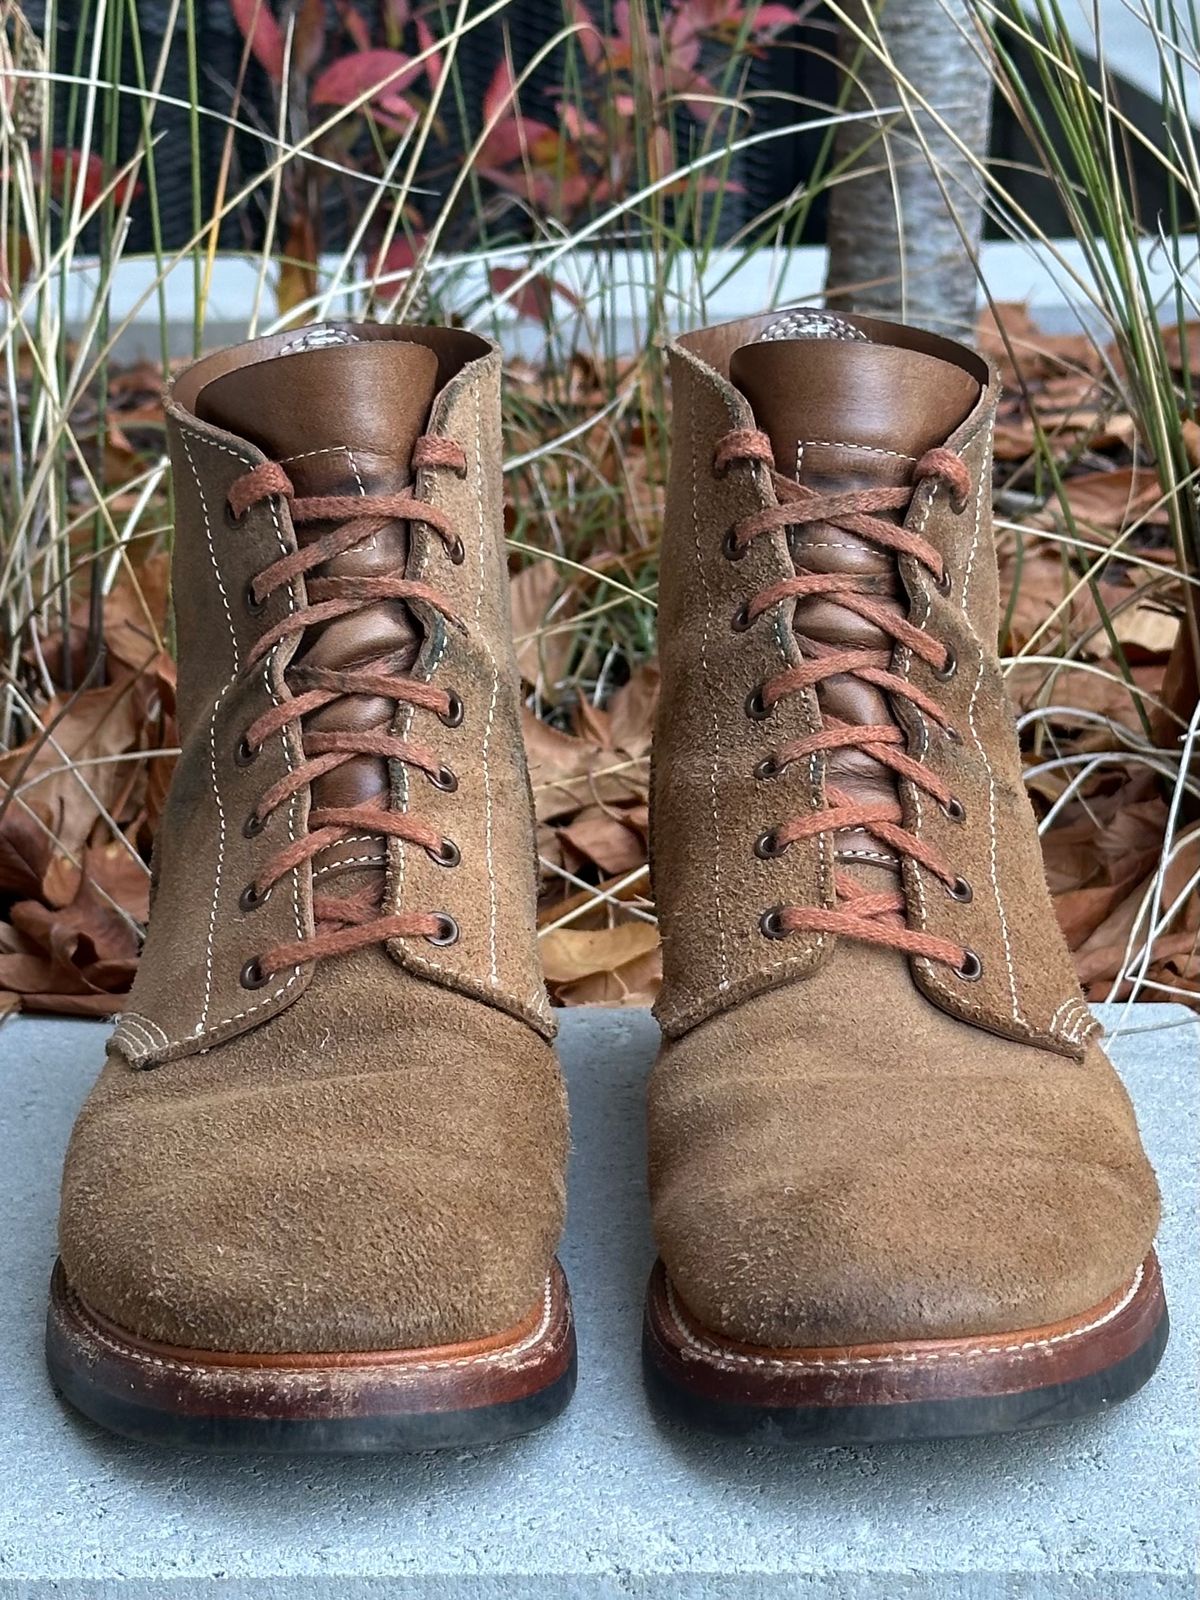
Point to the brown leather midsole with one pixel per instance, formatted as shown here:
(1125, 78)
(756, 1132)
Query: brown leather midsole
(891, 1374)
(313, 1384)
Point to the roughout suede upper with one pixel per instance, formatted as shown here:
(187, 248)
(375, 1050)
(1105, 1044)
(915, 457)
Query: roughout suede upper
(365, 1150)
(380, 1167)
(849, 1143)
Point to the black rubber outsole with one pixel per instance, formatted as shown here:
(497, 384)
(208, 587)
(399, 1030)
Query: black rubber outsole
(964, 1417)
(396, 1434)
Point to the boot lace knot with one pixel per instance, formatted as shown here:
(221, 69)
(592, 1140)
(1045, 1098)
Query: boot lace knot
(352, 921)
(873, 917)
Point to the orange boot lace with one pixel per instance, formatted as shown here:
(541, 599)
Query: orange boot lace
(348, 922)
(874, 917)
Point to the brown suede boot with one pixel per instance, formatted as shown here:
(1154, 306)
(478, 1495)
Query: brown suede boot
(313, 1200)
(898, 1188)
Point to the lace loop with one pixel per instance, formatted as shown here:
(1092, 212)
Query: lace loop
(874, 917)
(347, 922)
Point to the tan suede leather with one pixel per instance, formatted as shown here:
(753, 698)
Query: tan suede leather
(366, 1152)
(850, 1143)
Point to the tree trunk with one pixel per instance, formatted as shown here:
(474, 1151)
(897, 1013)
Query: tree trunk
(907, 217)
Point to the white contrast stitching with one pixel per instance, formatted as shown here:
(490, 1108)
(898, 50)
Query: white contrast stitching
(1065, 1013)
(722, 943)
(151, 1027)
(845, 444)
(212, 734)
(1082, 1022)
(124, 1032)
(201, 1032)
(985, 479)
(331, 450)
(419, 961)
(170, 1364)
(719, 1356)
(128, 1023)
(1069, 1021)
(488, 820)
(351, 861)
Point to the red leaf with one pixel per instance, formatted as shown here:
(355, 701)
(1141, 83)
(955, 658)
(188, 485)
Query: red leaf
(591, 40)
(501, 92)
(400, 256)
(356, 26)
(263, 33)
(433, 63)
(65, 164)
(771, 17)
(536, 298)
(381, 74)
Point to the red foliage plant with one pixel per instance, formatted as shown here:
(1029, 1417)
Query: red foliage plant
(612, 132)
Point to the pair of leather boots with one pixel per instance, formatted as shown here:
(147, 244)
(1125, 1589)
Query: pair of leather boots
(314, 1198)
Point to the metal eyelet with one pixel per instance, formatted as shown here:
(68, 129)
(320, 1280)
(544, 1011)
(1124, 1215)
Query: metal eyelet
(253, 605)
(250, 898)
(443, 779)
(455, 710)
(959, 503)
(768, 846)
(756, 708)
(972, 968)
(253, 825)
(945, 583)
(952, 734)
(946, 672)
(730, 546)
(447, 855)
(741, 619)
(770, 924)
(960, 890)
(448, 933)
(769, 767)
(457, 552)
(252, 975)
(246, 753)
(955, 810)
(232, 518)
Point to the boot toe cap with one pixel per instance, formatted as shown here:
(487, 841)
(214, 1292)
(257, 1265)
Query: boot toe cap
(820, 1203)
(414, 1205)
(815, 1260)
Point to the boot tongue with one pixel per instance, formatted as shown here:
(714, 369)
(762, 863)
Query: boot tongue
(845, 413)
(342, 421)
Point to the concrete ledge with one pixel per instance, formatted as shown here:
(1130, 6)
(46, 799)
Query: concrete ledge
(606, 1503)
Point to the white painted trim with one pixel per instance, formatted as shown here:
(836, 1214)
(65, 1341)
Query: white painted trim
(608, 283)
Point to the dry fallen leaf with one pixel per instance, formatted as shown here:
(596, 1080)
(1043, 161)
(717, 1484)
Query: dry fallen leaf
(540, 607)
(1115, 499)
(572, 953)
(612, 840)
(1035, 354)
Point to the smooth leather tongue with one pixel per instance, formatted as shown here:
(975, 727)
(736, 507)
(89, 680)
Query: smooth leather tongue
(852, 391)
(372, 398)
(342, 421)
(845, 414)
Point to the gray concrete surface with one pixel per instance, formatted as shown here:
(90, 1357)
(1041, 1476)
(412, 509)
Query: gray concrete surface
(606, 1502)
